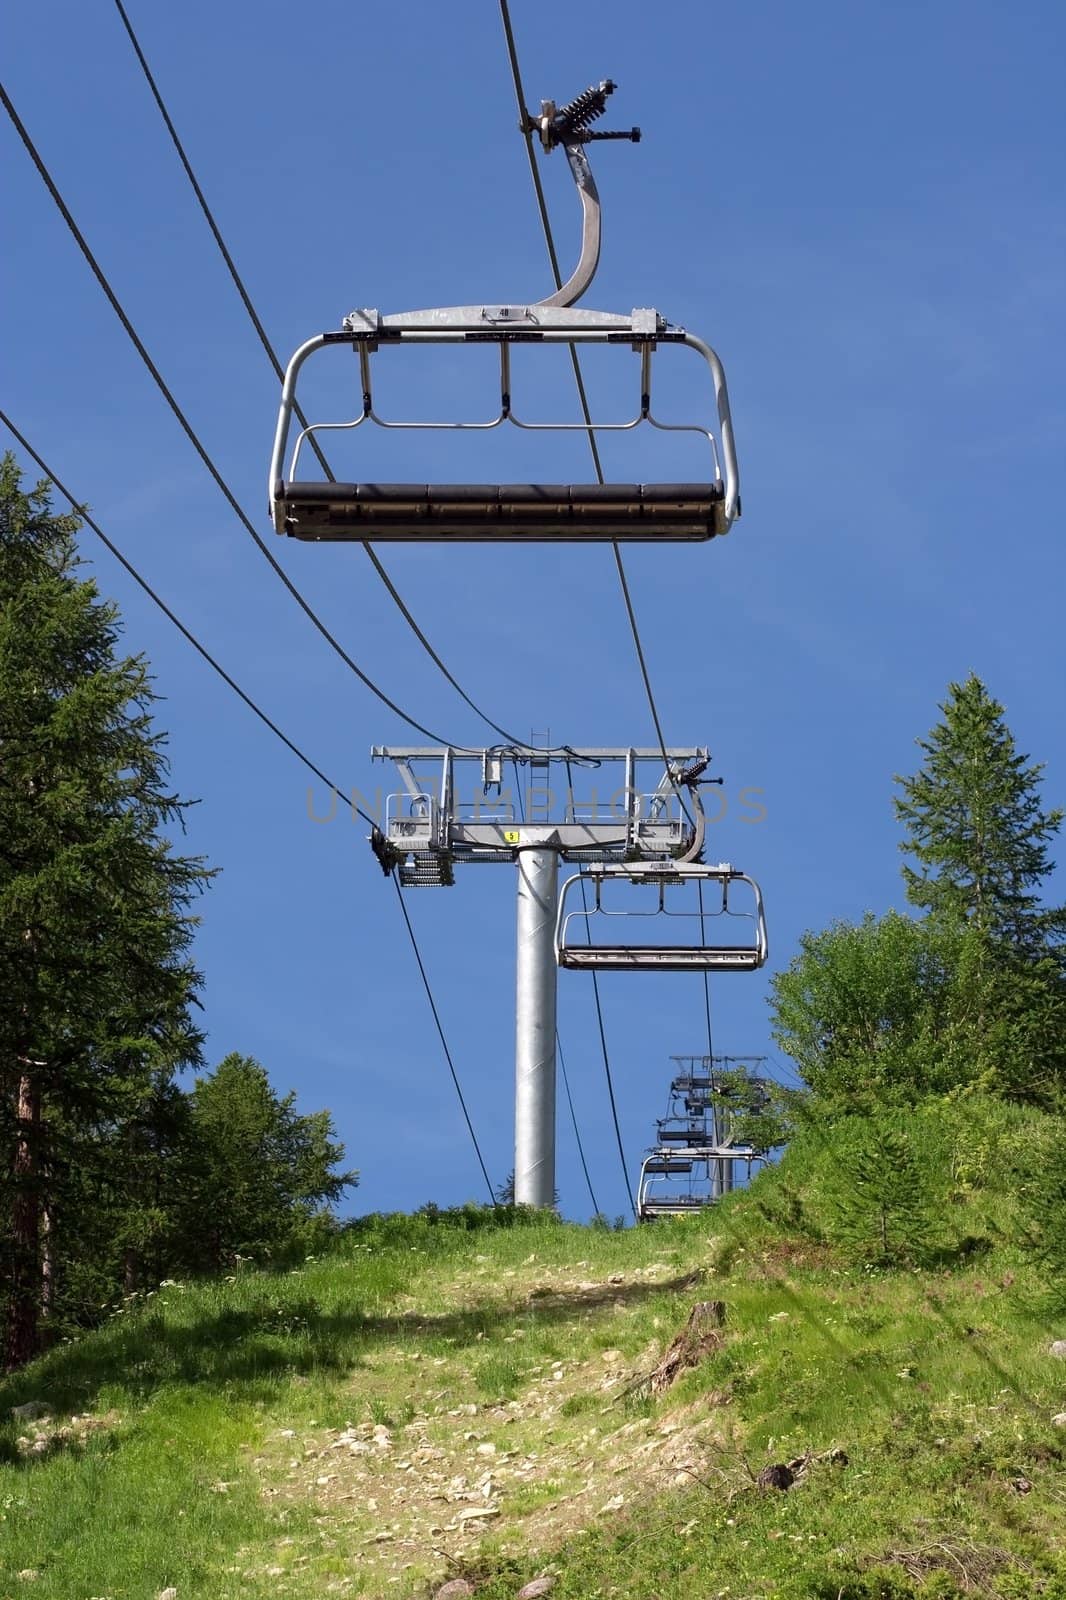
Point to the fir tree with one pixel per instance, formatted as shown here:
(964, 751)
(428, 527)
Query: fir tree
(96, 984)
(884, 1199)
(256, 1177)
(976, 827)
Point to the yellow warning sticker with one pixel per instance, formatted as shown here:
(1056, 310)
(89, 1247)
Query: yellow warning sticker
(511, 835)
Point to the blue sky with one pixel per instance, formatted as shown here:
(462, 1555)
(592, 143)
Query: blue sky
(858, 206)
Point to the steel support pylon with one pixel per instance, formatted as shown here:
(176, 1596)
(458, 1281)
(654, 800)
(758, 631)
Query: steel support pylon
(535, 1000)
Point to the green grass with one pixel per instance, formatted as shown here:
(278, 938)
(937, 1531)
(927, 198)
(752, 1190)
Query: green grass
(237, 1454)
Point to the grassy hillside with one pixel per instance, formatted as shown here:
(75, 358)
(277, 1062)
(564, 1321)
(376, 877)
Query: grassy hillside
(430, 1403)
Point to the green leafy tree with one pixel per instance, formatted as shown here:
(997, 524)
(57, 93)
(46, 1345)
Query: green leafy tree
(96, 985)
(897, 1008)
(882, 1011)
(976, 827)
(257, 1177)
(752, 1111)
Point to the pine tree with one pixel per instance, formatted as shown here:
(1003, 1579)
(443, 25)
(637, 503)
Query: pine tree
(977, 829)
(96, 984)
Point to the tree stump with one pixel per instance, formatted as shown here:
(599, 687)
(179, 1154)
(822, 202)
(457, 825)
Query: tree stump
(701, 1336)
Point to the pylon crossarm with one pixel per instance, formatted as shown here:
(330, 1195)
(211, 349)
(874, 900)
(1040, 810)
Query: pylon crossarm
(490, 823)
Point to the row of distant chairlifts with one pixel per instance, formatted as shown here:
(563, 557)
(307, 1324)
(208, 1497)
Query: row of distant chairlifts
(698, 1157)
(361, 510)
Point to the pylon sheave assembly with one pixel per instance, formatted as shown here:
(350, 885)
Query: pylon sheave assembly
(370, 510)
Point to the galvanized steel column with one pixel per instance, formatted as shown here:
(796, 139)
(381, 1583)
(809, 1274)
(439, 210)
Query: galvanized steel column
(536, 978)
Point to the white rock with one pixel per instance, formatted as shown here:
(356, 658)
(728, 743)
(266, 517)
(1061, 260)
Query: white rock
(167, 1594)
(1059, 1421)
(1059, 1349)
(539, 1586)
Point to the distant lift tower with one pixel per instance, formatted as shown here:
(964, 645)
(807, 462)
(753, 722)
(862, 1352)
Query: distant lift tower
(641, 836)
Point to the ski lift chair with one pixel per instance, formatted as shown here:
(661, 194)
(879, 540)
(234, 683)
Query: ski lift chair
(324, 509)
(670, 1186)
(690, 1138)
(659, 1190)
(723, 954)
(675, 1183)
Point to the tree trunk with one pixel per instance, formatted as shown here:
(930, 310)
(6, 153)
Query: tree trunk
(22, 1338)
(48, 1280)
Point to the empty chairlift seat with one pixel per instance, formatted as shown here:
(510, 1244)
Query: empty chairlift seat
(511, 512)
(319, 508)
(669, 1187)
(722, 936)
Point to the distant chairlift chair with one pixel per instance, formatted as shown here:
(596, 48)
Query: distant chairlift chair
(579, 513)
(676, 1183)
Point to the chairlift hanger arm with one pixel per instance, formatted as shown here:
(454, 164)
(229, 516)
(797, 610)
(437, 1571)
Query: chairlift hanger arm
(568, 126)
